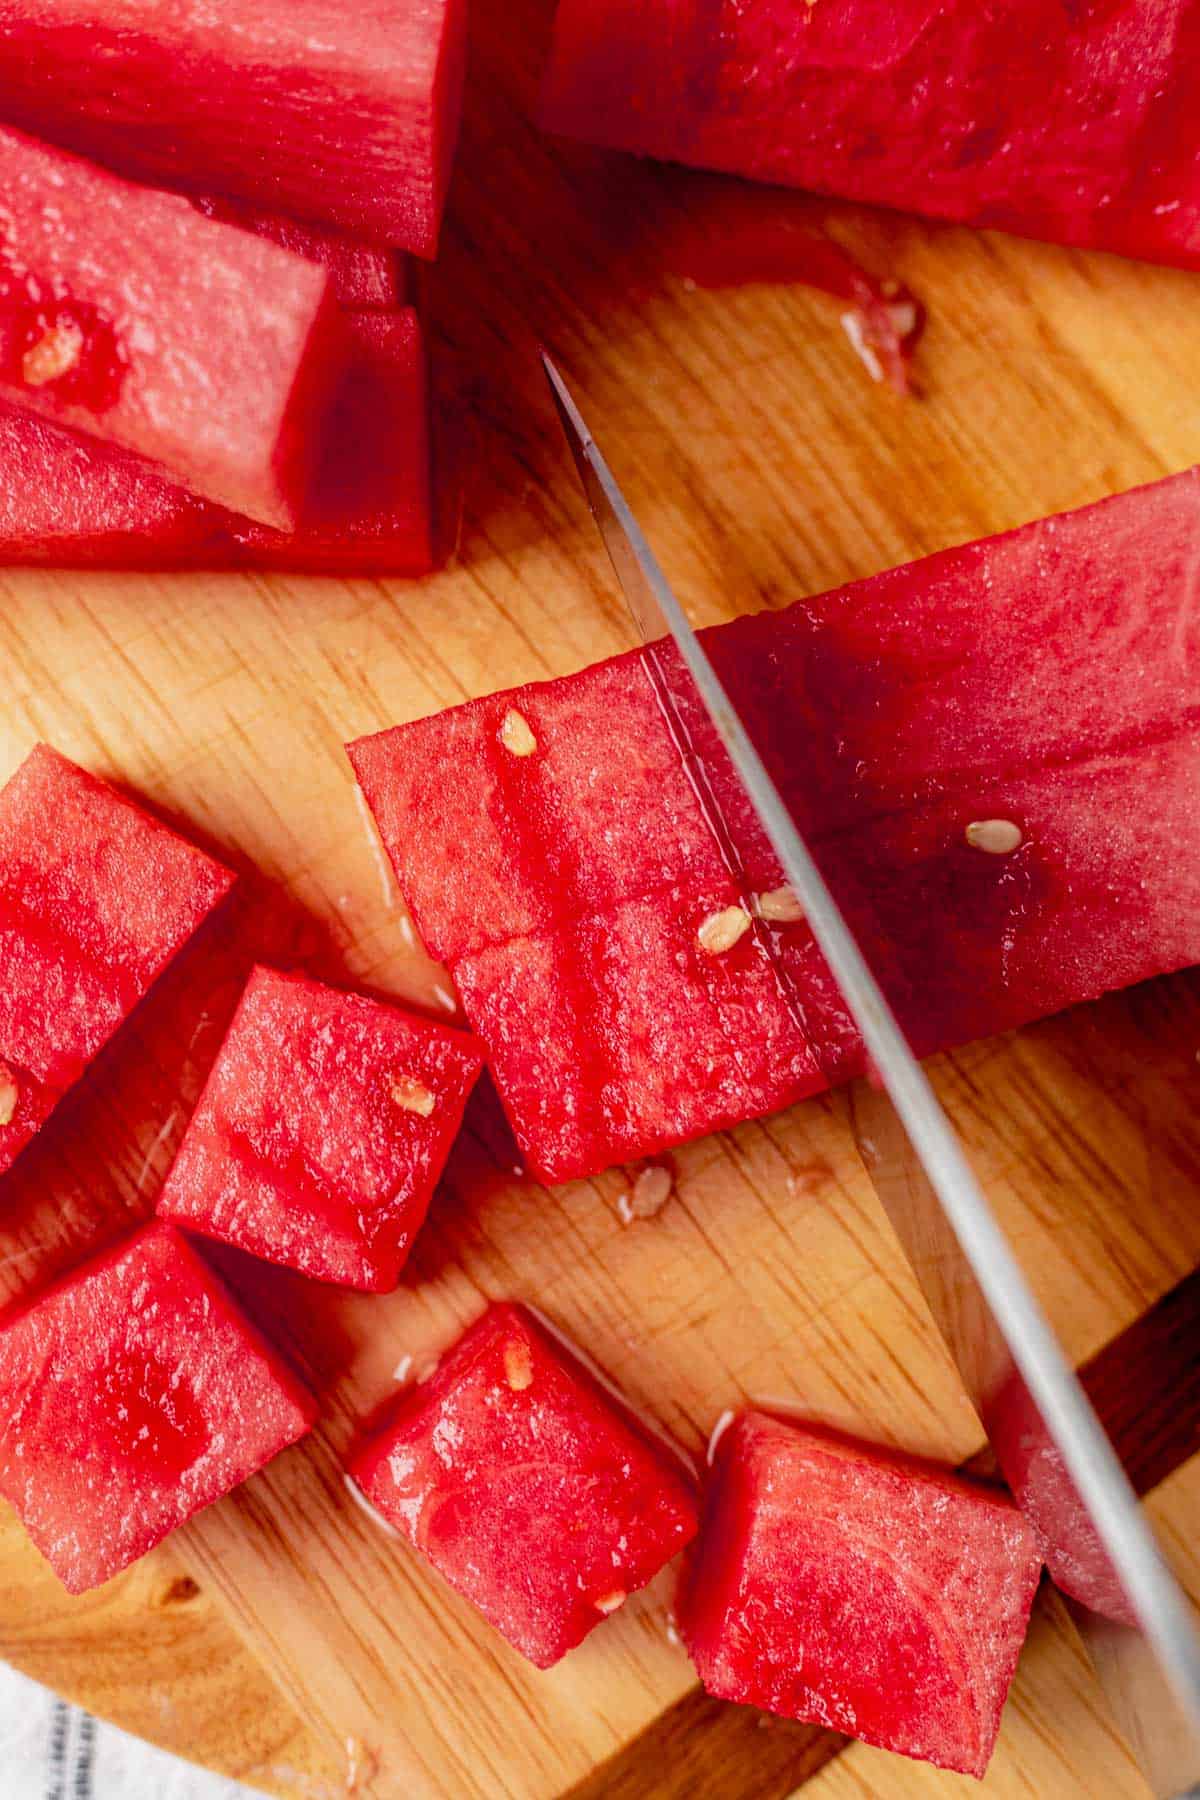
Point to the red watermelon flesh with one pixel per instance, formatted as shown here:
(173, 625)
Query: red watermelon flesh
(366, 277)
(1074, 124)
(72, 502)
(322, 1131)
(133, 1393)
(126, 314)
(859, 1590)
(891, 713)
(527, 1485)
(343, 114)
(96, 897)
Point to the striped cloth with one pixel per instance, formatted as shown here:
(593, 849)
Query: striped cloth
(52, 1751)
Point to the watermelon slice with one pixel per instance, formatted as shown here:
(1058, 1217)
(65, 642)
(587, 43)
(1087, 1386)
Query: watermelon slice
(133, 1393)
(556, 845)
(126, 314)
(527, 1484)
(859, 1590)
(366, 277)
(75, 503)
(96, 897)
(322, 1131)
(1073, 123)
(345, 114)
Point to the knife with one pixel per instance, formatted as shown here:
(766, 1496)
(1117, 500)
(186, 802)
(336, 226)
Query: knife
(1134, 1617)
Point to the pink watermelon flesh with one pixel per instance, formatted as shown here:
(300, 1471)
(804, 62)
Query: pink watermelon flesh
(73, 502)
(1046, 677)
(96, 897)
(1075, 124)
(322, 1131)
(366, 277)
(856, 1589)
(527, 1485)
(133, 1393)
(342, 114)
(127, 315)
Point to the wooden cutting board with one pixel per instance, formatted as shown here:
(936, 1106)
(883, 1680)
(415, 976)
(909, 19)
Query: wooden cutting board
(281, 1636)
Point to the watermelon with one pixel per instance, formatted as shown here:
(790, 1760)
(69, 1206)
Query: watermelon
(1072, 123)
(126, 314)
(368, 277)
(133, 1393)
(72, 502)
(322, 1131)
(639, 979)
(342, 114)
(96, 897)
(859, 1590)
(528, 1485)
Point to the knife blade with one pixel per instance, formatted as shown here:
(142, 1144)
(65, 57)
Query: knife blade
(1139, 1627)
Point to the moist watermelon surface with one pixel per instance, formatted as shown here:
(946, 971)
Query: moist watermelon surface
(96, 897)
(527, 1485)
(322, 1131)
(854, 1589)
(568, 871)
(1074, 124)
(132, 1394)
(72, 502)
(127, 315)
(368, 277)
(342, 114)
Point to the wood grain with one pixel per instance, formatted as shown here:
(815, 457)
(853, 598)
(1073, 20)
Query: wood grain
(764, 465)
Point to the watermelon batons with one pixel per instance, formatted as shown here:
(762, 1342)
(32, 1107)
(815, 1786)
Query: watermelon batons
(527, 1484)
(1077, 123)
(128, 316)
(348, 114)
(71, 502)
(132, 1393)
(992, 752)
(859, 1590)
(366, 277)
(96, 897)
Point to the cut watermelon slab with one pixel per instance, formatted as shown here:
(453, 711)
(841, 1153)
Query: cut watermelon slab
(345, 114)
(133, 1393)
(858, 1590)
(126, 314)
(1071, 124)
(322, 1131)
(556, 846)
(96, 897)
(366, 277)
(72, 502)
(528, 1486)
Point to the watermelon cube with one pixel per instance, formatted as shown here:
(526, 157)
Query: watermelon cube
(73, 502)
(859, 1590)
(96, 897)
(127, 315)
(133, 1393)
(322, 1131)
(1075, 124)
(639, 979)
(344, 114)
(368, 277)
(527, 1484)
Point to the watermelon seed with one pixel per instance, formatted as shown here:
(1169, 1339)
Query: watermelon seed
(998, 837)
(651, 1191)
(780, 906)
(411, 1095)
(515, 734)
(518, 1365)
(721, 930)
(608, 1603)
(54, 355)
(9, 1094)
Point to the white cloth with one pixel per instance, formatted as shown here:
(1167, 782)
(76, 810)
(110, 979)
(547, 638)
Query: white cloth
(51, 1751)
